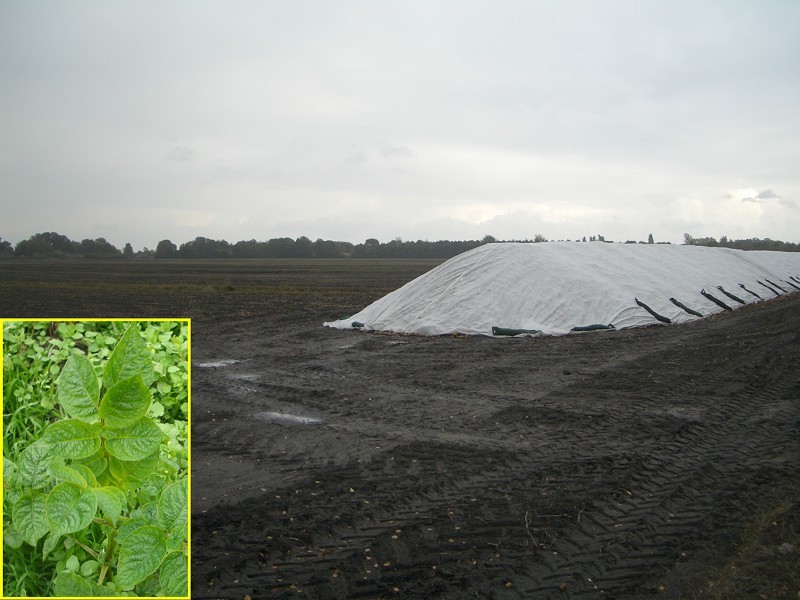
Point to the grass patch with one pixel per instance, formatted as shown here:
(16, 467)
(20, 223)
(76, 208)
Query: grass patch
(766, 563)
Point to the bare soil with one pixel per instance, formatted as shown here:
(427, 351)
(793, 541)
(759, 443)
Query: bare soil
(338, 464)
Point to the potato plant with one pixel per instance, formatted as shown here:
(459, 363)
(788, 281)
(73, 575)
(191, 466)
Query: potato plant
(101, 496)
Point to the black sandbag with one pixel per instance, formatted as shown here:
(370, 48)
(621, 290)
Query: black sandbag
(741, 285)
(657, 316)
(512, 331)
(686, 308)
(716, 301)
(593, 327)
(731, 296)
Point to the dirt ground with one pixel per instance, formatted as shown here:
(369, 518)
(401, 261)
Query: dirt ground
(338, 464)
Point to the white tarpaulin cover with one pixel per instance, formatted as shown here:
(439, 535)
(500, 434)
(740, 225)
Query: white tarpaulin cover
(556, 286)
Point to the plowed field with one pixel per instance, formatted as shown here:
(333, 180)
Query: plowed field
(337, 464)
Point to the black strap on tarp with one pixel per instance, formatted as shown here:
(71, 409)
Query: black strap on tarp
(657, 316)
(593, 327)
(769, 288)
(794, 278)
(775, 284)
(741, 285)
(513, 331)
(793, 285)
(716, 301)
(731, 296)
(684, 307)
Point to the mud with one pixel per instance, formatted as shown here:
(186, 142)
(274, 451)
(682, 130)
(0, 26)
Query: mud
(596, 465)
(338, 464)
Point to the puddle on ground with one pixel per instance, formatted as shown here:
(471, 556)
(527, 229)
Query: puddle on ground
(287, 418)
(215, 364)
(245, 376)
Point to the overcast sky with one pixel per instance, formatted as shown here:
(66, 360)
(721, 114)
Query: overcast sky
(140, 121)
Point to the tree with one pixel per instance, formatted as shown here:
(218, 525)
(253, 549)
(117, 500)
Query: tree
(488, 239)
(303, 247)
(166, 249)
(127, 252)
(49, 244)
(250, 249)
(281, 247)
(203, 247)
(326, 249)
(650, 239)
(6, 249)
(98, 248)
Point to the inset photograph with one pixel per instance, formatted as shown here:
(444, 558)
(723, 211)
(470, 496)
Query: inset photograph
(96, 458)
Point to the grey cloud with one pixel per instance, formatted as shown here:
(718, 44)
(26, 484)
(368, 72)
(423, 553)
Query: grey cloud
(767, 195)
(327, 101)
(390, 151)
(356, 157)
(180, 153)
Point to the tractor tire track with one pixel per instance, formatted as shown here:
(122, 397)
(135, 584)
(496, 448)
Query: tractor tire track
(595, 483)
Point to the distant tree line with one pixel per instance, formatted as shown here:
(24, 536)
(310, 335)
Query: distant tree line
(749, 244)
(54, 245)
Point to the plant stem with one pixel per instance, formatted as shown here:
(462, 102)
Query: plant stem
(112, 539)
(94, 554)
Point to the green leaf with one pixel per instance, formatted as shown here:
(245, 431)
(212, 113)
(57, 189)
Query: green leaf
(32, 465)
(86, 473)
(125, 403)
(140, 555)
(130, 357)
(29, 516)
(11, 537)
(173, 505)
(89, 568)
(174, 575)
(71, 438)
(73, 564)
(70, 509)
(64, 473)
(49, 543)
(129, 526)
(133, 472)
(78, 387)
(97, 463)
(73, 585)
(148, 588)
(112, 501)
(135, 442)
(9, 472)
